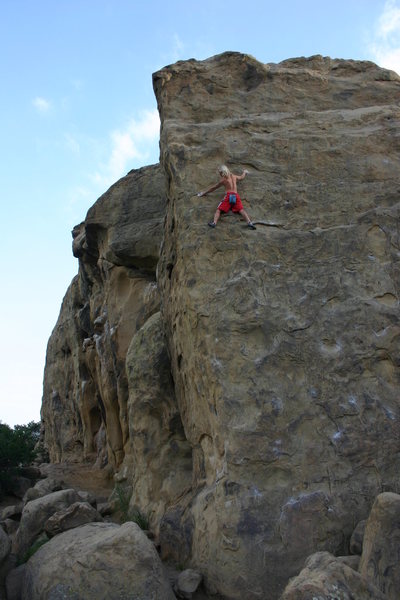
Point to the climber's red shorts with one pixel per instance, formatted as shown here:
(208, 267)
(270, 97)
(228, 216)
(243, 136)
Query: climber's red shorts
(225, 206)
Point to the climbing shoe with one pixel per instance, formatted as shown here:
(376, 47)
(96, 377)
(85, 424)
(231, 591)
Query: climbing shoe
(251, 225)
(212, 224)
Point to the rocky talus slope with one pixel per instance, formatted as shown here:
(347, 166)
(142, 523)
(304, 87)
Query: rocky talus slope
(244, 384)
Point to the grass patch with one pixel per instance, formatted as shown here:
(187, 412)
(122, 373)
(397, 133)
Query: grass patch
(122, 496)
(140, 519)
(33, 549)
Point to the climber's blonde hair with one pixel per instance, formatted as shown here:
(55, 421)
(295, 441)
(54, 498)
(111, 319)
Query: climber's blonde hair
(224, 171)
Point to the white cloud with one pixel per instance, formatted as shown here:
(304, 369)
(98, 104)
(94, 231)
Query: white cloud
(132, 144)
(385, 46)
(389, 21)
(130, 147)
(41, 104)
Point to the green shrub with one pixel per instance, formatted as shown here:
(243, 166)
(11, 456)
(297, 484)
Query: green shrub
(122, 497)
(33, 549)
(17, 449)
(140, 519)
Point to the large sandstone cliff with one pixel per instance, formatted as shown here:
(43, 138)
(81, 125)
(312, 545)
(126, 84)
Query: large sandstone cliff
(248, 390)
(85, 398)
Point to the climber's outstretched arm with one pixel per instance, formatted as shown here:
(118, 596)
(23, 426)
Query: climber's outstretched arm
(212, 188)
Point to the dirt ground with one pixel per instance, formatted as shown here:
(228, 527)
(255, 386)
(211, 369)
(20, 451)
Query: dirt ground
(82, 477)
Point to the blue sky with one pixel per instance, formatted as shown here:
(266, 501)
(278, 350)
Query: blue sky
(77, 112)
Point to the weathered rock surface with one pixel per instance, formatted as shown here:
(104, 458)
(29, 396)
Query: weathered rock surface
(9, 525)
(159, 464)
(327, 577)
(14, 583)
(6, 567)
(88, 498)
(84, 410)
(5, 545)
(357, 538)
(13, 511)
(92, 483)
(381, 546)
(6, 560)
(19, 486)
(187, 583)
(97, 562)
(35, 515)
(282, 342)
(76, 515)
(42, 488)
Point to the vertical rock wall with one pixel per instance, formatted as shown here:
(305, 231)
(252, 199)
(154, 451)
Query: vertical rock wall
(284, 340)
(244, 383)
(84, 410)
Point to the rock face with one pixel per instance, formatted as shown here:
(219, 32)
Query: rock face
(284, 341)
(35, 515)
(159, 464)
(84, 409)
(187, 583)
(245, 394)
(374, 574)
(42, 488)
(357, 538)
(381, 546)
(5, 545)
(326, 577)
(97, 561)
(75, 515)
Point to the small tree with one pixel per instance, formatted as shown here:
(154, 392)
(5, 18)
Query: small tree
(17, 449)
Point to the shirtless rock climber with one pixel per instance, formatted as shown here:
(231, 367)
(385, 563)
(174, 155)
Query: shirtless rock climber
(232, 199)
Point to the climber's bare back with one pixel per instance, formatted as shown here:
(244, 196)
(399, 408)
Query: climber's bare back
(229, 182)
